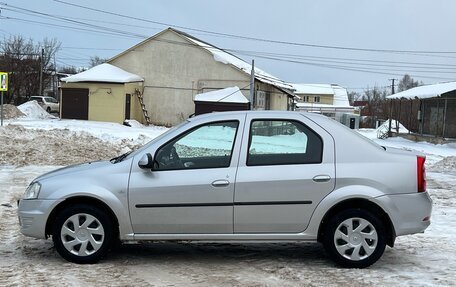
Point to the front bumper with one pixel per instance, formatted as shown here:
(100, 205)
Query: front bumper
(410, 213)
(33, 215)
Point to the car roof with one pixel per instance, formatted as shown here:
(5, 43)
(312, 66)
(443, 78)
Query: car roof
(237, 113)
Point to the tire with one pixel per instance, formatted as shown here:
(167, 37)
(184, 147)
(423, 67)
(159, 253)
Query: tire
(82, 234)
(48, 110)
(354, 238)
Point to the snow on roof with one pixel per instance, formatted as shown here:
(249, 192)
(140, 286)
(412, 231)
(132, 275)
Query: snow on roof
(424, 92)
(340, 96)
(227, 95)
(227, 58)
(313, 89)
(318, 105)
(104, 73)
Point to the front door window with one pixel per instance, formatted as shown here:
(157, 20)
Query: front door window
(207, 146)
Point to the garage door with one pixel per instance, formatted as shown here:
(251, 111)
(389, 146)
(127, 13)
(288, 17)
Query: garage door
(75, 104)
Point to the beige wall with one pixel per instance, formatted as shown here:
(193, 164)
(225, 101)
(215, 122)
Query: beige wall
(174, 73)
(324, 99)
(107, 101)
(136, 112)
(278, 100)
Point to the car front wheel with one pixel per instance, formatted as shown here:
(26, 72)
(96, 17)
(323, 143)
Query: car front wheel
(355, 238)
(82, 234)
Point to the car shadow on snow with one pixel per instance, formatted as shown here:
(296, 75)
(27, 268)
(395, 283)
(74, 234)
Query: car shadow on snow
(184, 251)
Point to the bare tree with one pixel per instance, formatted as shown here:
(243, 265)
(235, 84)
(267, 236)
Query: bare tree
(407, 82)
(377, 107)
(352, 97)
(95, 61)
(68, 70)
(23, 60)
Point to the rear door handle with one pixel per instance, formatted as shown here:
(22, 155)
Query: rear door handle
(220, 183)
(321, 178)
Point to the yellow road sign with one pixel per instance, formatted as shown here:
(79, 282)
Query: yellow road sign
(3, 82)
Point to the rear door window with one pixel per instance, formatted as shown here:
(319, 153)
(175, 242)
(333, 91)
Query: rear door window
(280, 142)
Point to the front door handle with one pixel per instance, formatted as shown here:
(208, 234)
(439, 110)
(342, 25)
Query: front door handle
(321, 178)
(220, 183)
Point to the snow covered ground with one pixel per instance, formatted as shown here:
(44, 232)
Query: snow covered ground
(427, 259)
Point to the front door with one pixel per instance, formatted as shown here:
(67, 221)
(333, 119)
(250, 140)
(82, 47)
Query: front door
(286, 168)
(191, 188)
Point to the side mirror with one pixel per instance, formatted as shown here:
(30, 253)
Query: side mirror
(146, 161)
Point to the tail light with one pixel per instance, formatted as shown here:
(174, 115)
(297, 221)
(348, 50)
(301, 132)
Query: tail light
(421, 173)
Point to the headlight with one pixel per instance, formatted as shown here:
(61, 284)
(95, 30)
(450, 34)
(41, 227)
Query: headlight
(32, 191)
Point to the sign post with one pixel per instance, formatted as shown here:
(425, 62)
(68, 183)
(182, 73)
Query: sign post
(3, 89)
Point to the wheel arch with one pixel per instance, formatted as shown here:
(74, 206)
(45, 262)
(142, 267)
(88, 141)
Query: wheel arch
(359, 203)
(82, 200)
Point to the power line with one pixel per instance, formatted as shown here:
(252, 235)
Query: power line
(340, 67)
(288, 58)
(93, 48)
(64, 27)
(254, 38)
(248, 53)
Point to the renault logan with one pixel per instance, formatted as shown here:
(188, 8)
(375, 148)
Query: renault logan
(237, 176)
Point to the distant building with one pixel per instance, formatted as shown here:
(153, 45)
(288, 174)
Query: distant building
(102, 93)
(176, 66)
(330, 100)
(427, 110)
(228, 99)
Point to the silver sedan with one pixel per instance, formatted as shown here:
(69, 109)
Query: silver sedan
(237, 176)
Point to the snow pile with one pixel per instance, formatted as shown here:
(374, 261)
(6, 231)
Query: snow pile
(54, 147)
(227, 95)
(447, 165)
(26, 141)
(385, 126)
(33, 110)
(111, 132)
(11, 112)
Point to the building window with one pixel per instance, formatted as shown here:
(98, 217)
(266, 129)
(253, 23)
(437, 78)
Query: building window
(316, 99)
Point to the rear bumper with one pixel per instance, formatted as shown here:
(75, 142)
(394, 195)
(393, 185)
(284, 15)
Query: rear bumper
(409, 213)
(33, 215)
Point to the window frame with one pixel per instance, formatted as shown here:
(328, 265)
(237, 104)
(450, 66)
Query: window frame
(275, 164)
(189, 131)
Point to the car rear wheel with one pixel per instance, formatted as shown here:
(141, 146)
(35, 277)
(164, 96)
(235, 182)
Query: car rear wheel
(355, 238)
(48, 109)
(82, 234)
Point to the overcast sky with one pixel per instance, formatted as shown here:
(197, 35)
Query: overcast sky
(400, 25)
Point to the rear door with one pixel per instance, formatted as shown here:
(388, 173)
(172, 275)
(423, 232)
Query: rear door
(285, 168)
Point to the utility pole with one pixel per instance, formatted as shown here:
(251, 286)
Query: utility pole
(252, 85)
(391, 107)
(41, 72)
(55, 81)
